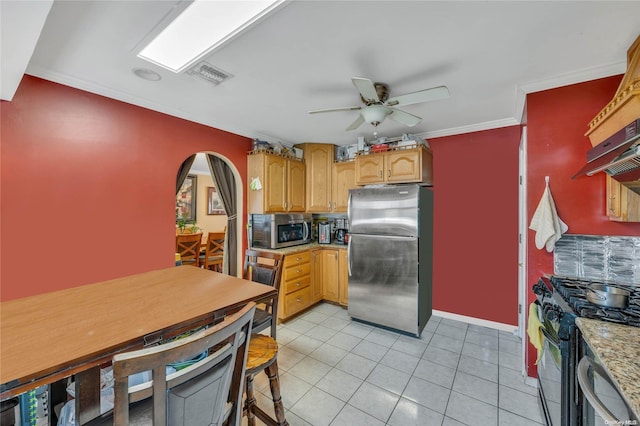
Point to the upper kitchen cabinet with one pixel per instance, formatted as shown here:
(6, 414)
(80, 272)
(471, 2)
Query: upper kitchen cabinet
(281, 185)
(328, 182)
(400, 165)
(612, 133)
(319, 160)
(343, 179)
(623, 205)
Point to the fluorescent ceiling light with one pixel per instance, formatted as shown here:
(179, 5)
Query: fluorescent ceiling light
(202, 27)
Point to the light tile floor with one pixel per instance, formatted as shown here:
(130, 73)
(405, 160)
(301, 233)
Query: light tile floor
(335, 371)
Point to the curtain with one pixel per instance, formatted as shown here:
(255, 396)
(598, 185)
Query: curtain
(183, 172)
(226, 184)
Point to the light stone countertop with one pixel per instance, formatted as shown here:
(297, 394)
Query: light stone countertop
(617, 349)
(303, 247)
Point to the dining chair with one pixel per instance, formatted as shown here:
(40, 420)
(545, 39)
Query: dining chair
(188, 246)
(266, 268)
(213, 252)
(208, 392)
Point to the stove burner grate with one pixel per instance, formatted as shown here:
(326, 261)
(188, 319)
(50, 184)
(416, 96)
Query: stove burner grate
(573, 292)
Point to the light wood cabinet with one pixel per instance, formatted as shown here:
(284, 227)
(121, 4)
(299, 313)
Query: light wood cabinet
(343, 278)
(396, 166)
(295, 284)
(283, 184)
(330, 278)
(329, 268)
(319, 160)
(343, 179)
(327, 183)
(317, 290)
(623, 205)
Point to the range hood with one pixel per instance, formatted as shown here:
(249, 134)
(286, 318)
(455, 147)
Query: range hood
(618, 156)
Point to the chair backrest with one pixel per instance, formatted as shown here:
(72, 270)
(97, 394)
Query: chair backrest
(266, 268)
(188, 245)
(208, 392)
(214, 248)
(263, 267)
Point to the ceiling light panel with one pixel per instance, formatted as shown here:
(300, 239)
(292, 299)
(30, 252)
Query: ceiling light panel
(201, 28)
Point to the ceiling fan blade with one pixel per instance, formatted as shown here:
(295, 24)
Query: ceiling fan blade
(404, 117)
(356, 123)
(353, 108)
(433, 94)
(366, 89)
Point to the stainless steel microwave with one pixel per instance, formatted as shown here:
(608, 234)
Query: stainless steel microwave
(272, 231)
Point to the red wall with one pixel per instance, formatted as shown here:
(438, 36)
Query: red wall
(476, 224)
(557, 120)
(88, 186)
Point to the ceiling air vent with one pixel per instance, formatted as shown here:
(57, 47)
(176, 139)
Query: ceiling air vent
(209, 73)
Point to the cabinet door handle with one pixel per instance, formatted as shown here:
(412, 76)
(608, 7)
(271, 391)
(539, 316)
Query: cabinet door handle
(329, 205)
(334, 206)
(298, 270)
(389, 173)
(380, 173)
(297, 284)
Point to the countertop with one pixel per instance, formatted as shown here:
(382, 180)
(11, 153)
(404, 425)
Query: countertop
(617, 348)
(303, 247)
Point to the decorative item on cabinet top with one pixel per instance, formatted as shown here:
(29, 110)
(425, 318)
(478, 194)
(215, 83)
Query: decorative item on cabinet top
(276, 148)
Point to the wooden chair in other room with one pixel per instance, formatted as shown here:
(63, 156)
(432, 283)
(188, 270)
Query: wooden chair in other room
(213, 252)
(266, 268)
(188, 246)
(208, 392)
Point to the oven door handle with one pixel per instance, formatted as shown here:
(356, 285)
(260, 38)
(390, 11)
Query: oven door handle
(583, 379)
(550, 338)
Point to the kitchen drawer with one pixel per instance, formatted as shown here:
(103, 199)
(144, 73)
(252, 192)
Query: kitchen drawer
(294, 272)
(296, 284)
(297, 259)
(297, 301)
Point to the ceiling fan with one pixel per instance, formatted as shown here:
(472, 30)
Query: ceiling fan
(378, 105)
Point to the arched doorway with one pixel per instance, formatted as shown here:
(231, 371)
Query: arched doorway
(206, 202)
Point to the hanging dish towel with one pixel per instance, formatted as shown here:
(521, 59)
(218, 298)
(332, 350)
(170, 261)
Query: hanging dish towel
(545, 221)
(533, 329)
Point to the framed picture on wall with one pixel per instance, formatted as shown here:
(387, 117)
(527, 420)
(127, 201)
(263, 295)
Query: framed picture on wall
(214, 205)
(186, 199)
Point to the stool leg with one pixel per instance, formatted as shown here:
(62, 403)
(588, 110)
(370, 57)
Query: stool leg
(274, 384)
(250, 401)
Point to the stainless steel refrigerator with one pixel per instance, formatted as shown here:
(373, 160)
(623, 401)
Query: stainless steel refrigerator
(390, 256)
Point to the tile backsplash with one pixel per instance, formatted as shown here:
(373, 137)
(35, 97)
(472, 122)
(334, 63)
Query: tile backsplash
(596, 257)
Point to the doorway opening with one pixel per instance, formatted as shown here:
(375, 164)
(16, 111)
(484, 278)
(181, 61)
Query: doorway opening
(203, 202)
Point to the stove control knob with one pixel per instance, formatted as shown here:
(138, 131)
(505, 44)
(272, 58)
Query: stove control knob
(540, 289)
(553, 313)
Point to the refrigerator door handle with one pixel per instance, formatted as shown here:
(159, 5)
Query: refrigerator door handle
(349, 258)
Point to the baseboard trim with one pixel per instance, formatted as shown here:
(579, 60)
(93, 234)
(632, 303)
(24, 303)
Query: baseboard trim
(531, 381)
(477, 321)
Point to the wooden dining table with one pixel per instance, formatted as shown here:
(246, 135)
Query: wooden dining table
(51, 336)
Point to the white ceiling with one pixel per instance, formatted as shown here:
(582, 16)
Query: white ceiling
(302, 58)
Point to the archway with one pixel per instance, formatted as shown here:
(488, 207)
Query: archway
(208, 216)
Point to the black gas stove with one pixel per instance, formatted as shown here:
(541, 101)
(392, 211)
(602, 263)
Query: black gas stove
(573, 292)
(560, 301)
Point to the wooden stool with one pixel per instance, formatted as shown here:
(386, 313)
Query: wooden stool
(262, 355)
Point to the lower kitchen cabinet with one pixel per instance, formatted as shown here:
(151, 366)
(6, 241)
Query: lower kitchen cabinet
(343, 278)
(310, 276)
(317, 291)
(295, 284)
(330, 268)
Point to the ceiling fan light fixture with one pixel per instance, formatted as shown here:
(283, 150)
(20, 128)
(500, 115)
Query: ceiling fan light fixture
(375, 114)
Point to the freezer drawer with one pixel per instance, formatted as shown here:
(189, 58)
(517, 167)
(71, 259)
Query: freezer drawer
(383, 281)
